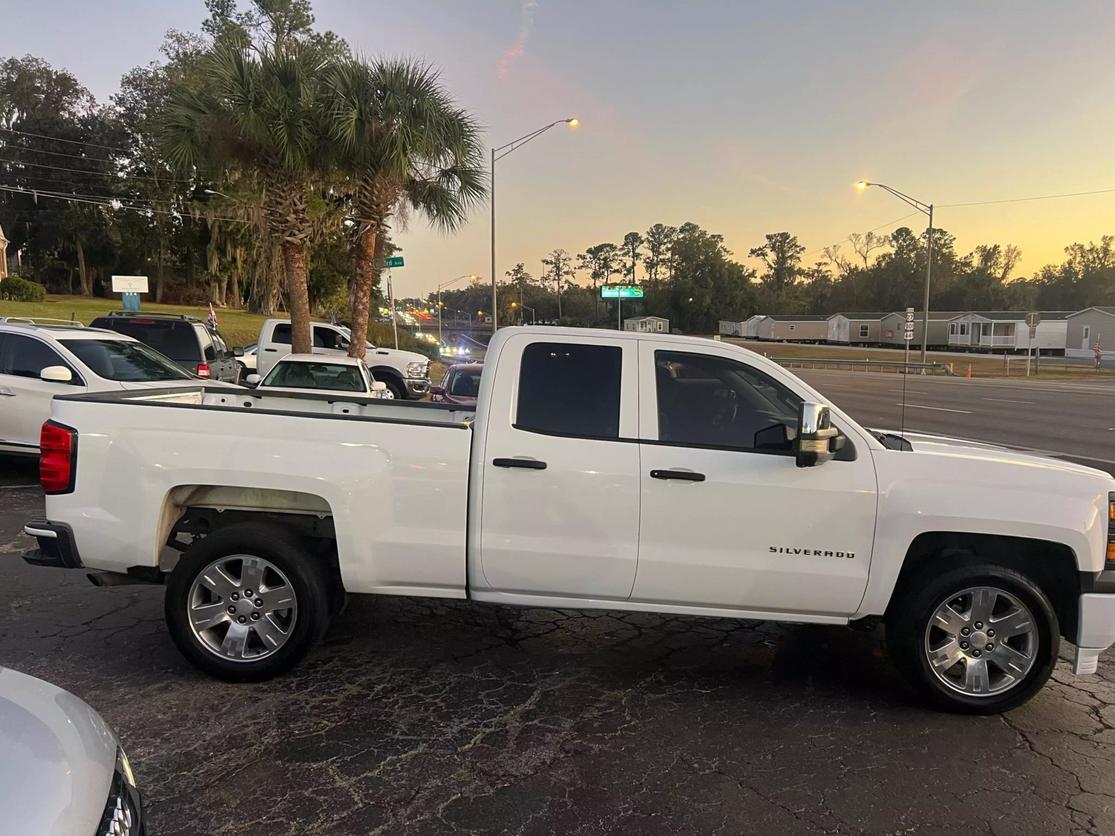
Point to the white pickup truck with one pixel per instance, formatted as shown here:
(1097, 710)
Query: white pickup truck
(599, 469)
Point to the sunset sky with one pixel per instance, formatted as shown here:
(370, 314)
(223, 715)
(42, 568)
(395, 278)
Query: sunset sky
(744, 117)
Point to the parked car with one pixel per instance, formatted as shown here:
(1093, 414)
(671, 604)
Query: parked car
(599, 469)
(246, 357)
(406, 373)
(325, 375)
(186, 340)
(40, 359)
(460, 385)
(62, 770)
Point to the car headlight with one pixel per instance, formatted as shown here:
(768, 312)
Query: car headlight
(124, 767)
(417, 368)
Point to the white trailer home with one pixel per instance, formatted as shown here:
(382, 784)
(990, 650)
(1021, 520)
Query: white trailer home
(647, 324)
(803, 328)
(856, 328)
(1008, 331)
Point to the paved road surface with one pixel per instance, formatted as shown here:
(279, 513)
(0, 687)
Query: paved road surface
(1075, 420)
(425, 717)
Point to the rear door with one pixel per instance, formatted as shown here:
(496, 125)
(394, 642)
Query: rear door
(24, 398)
(728, 519)
(560, 502)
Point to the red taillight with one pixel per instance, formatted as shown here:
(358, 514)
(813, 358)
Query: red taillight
(57, 457)
(203, 370)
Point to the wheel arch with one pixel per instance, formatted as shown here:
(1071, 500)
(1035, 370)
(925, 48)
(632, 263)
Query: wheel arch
(1051, 565)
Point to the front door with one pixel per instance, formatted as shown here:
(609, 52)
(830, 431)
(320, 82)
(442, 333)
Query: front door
(1086, 343)
(24, 397)
(560, 506)
(728, 520)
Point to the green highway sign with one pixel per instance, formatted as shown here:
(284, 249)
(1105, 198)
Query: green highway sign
(394, 261)
(621, 291)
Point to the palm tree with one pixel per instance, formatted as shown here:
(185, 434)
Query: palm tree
(258, 114)
(403, 146)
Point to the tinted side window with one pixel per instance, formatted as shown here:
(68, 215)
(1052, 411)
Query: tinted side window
(281, 334)
(26, 357)
(717, 402)
(570, 389)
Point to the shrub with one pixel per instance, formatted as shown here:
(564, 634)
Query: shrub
(19, 289)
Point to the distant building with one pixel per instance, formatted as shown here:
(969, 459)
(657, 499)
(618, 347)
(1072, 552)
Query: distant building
(805, 328)
(3, 254)
(1088, 327)
(1008, 331)
(647, 324)
(894, 325)
(856, 328)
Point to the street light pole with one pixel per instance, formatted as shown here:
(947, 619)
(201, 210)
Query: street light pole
(927, 209)
(497, 155)
(439, 287)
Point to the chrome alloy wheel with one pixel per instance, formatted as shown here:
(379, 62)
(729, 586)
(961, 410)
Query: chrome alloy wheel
(242, 608)
(981, 641)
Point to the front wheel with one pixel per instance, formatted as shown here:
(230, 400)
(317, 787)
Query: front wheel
(394, 389)
(247, 602)
(977, 639)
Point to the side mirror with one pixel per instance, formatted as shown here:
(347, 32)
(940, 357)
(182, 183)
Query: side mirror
(238, 352)
(253, 380)
(439, 391)
(56, 374)
(817, 439)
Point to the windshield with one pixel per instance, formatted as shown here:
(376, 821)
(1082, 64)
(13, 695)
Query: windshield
(125, 361)
(333, 376)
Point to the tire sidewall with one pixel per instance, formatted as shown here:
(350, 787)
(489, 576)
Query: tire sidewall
(279, 546)
(917, 607)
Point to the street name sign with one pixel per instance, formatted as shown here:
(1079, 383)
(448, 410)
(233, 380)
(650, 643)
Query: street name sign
(621, 291)
(393, 261)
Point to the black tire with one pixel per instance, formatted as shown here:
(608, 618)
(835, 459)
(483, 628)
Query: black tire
(396, 388)
(308, 579)
(908, 621)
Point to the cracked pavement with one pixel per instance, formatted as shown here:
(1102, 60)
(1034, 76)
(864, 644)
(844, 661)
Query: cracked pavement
(419, 716)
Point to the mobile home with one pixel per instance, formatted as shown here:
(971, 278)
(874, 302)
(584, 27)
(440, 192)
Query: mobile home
(647, 324)
(856, 328)
(894, 324)
(806, 328)
(1008, 331)
(1086, 328)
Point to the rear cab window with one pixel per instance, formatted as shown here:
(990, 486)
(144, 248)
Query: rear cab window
(570, 389)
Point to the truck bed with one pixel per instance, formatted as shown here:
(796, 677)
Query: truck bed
(391, 475)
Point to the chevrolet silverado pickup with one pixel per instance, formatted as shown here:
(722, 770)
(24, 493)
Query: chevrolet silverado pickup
(598, 469)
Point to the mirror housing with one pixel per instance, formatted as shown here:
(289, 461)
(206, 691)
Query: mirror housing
(56, 374)
(238, 352)
(253, 380)
(817, 439)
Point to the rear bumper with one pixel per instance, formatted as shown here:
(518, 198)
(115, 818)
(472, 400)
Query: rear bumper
(1096, 631)
(56, 545)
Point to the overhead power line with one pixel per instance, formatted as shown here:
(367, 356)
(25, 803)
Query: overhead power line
(6, 144)
(88, 171)
(68, 141)
(1023, 199)
(109, 203)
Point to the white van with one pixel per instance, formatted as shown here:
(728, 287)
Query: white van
(406, 373)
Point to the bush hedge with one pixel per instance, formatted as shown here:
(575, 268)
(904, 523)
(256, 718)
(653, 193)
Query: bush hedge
(19, 289)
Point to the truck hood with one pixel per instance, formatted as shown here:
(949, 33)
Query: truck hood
(941, 445)
(395, 355)
(57, 758)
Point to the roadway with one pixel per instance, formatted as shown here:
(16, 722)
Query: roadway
(1075, 421)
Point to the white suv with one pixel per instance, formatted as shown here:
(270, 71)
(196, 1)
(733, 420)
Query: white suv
(42, 358)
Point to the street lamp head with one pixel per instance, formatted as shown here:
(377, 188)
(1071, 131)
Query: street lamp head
(862, 184)
(573, 122)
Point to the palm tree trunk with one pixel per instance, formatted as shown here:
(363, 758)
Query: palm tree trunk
(361, 295)
(82, 269)
(294, 263)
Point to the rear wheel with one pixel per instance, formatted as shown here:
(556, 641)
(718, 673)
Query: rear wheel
(977, 639)
(247, 602)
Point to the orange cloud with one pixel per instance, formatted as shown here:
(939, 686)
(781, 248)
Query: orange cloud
(518, 48)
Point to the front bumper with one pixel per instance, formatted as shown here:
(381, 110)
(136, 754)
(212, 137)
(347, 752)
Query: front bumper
(417, 387)
(56, 545)
(1096, 630)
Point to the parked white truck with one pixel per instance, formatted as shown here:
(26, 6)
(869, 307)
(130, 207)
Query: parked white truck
(599, 469)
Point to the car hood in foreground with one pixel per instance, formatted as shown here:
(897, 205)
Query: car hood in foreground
(57, 758)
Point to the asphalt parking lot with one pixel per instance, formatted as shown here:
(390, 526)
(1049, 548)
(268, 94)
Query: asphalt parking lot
(423, 717)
